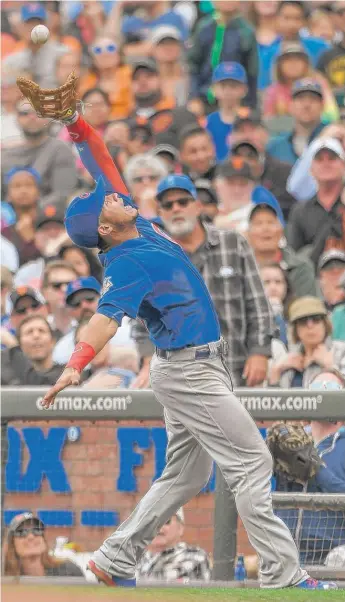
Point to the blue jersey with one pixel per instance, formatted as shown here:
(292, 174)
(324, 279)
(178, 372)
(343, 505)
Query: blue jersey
(149, 277)
(220, 133)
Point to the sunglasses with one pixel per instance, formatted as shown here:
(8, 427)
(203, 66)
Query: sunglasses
(140, 179)
(58, 285)
(182, 202)
(313, 319)
(22, 310)
(101, 49)
(76, 303)
(21, 533)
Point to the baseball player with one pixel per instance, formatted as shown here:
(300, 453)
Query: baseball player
(148, 276)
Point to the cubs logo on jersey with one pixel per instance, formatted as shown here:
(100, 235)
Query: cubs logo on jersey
(107, 284)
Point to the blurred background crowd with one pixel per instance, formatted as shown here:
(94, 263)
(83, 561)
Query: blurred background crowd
(247, 99)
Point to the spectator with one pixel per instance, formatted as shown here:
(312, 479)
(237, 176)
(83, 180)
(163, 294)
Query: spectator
(197, 152)
(83, 260)
(234, 183)
(87, 20)
(142, 174)
(107, 67)
(11, 133)
(311, 330)
(65, 65)
(276, 285)
(331, 267)
(168, 558)
(229, 86)
(332, 62)
(248, 140)
(49, 235)
(168, 51)
(56, 277)
(208, 199)
(168, 154)
(266, 237)
(321, 25)
(26, 301)
(306, 108)
(9, 255)
(114, 367)
(147, 89)
(97, 108)
(78, 298)
(51, 158)
(140, 138)
(317, 536)
(5, 288)
(338, 316)
(264, 18)
(28, 357)
(23, 193)
(318, 222)
(36, 59)
(26, 551)
(223, 37)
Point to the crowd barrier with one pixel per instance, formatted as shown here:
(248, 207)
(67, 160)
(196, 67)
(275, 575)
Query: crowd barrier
(83, 464)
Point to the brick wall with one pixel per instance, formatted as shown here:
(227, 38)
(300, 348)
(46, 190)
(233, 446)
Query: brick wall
(92, 466)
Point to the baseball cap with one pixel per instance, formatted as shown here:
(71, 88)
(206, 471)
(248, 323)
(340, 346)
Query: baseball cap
(336, 255)
(246, 115)
(242, 143)
(12, 172)
(81, 284)
(230, 70)
(168, 149)
(331, 144)
(204, 185)
(263, 198)
(176, 182)
(165, 32)
(19, 519)
(305, 307)
(26, 291)
(147, 63)
(235, 167)
(292, 48)
(50, 213)
(306, 85)
(82, 215)
(33, 10)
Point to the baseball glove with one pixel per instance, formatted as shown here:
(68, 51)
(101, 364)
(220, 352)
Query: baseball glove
(59, 103)
(293, 451)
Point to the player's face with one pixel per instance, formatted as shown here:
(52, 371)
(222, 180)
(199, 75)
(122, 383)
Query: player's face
(179, 212)
(115, 214)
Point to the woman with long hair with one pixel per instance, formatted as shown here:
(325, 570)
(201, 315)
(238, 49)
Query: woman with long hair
(27, 553)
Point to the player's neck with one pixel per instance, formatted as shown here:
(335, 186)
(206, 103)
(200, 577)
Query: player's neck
(120, 236)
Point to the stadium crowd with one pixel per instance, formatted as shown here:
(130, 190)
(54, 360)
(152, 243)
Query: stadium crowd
(246, 99)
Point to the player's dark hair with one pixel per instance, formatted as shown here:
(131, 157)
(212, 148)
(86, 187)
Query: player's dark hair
(190, 130)
(298, 3)
(96, 91)
(29, 319)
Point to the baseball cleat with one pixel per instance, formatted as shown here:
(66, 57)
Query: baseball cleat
(310, 583)
(109, 580)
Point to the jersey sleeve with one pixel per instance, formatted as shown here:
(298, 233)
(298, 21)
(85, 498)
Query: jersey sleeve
(125, 286)
(96, 158)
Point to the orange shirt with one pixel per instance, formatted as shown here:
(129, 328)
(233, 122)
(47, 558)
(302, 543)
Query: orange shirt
(121, 97)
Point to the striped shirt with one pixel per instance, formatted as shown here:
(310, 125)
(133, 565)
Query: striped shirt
(180, 563)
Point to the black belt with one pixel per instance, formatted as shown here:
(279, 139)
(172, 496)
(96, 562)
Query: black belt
(203, 352)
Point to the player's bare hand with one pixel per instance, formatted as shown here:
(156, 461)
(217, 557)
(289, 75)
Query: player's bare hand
(69, 378)
(255, 370)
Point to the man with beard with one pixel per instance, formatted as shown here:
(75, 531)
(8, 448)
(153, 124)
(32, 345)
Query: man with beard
(81, 298)
(51, 158)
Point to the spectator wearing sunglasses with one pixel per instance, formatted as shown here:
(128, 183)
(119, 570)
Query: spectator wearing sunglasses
(52, 158)
(79, 298)
(318, 535)
(23, 193)
(312, 348)
(109, 74)
(168, 558)
(28, 359)
(26, 301)
(27, 552)
(142, 174)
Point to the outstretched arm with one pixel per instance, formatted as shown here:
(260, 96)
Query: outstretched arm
(98, 332)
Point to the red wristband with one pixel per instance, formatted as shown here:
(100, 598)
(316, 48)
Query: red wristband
(82, 355)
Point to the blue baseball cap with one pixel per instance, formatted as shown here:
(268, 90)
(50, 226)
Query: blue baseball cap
(261, 197)
(175, 181)
(229, 70)
(33, 10)
(82, 284)
(82, 215)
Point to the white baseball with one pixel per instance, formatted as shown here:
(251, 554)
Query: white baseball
(40, 34)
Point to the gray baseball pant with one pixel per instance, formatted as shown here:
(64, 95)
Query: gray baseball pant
(206, 422)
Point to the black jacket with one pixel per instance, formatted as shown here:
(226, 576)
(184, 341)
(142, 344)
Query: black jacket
(274, 178)
(16, 369)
